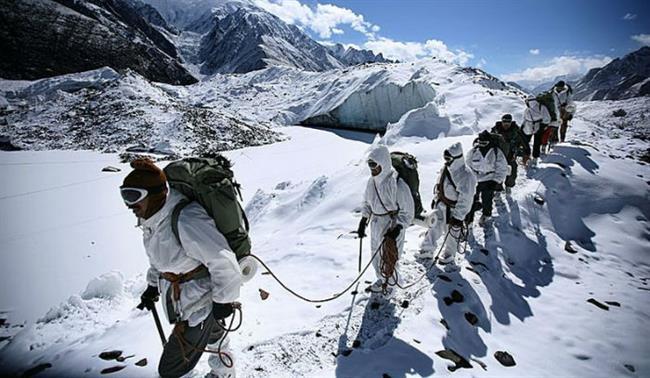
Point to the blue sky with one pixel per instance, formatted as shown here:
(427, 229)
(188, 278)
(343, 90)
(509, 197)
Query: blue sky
(513, 39)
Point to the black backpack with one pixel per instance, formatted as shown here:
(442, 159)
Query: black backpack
(406, 166)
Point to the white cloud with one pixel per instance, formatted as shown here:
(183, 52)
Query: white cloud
(558, 66)
(534, 51)
(629, 16)
(324, 20)
(481, 63)
(409, 51)
(643, 39)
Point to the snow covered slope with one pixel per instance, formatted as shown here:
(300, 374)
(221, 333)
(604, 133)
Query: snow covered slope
(559, 280)
(367, 96)
(106, 111)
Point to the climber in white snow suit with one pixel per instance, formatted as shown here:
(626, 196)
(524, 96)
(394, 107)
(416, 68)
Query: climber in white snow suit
(490, 166)
(536, 119)
(207, 275)
(453, 197)
(388, 204)
(564, 106)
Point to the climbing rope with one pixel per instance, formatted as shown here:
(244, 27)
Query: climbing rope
(225, 358)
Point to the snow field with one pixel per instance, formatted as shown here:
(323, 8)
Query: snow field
(528, 295)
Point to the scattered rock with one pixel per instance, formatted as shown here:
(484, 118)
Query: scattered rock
(444, 323)
(385, 376)
(484, 251)
(354, 292)
(630, 367)
(123, 358)
(405, 304)
(444, 278)
(598, 304)
(630, 274)
(37, 369)
(110, 169)
(318, 334)
(569, 248)
(110, 355)
(582, 357)
(613, 303)
(264, 294)
(142, 362)
(259, 369)
(417, 341)
(113, 369)
(458, 360)
(456, 296)
(619, 113)
(346, 352)
(251, 347)
(471, 318)
(356, 344)
(539, 199)
(505, 358)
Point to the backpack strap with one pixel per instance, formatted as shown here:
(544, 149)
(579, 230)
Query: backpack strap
(175, 215)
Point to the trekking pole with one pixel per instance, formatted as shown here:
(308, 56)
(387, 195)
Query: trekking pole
(360, 251)
(156, 319)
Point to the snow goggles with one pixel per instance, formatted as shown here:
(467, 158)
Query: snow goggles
(131, 196)
(372, 164)
(483, 143)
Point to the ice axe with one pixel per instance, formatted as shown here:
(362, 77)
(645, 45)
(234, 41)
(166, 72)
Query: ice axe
(156, 319)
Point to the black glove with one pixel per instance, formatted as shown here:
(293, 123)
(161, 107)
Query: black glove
(455, 222)
(148, 298)
(361, 231)
(498, 187)
(393, 233)
(433, 203)
(221, 311)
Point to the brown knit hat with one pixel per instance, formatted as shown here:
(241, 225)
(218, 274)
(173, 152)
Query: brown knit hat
(145, 175)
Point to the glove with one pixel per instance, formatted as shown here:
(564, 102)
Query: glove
(361, 231)
(393, 233)
(525, 159)
(498, 187)
(221, 311)
(148, 298)
(453, 222)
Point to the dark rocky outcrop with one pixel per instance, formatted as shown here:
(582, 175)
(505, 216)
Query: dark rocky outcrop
(44, 38)
(621, 79)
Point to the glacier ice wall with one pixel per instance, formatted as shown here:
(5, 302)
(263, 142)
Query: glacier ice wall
(374, 108)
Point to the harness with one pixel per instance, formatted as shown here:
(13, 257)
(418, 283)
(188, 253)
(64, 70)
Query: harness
(200, 271)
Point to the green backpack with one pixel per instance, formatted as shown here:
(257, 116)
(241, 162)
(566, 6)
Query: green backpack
(406, 166)
(546, 99)
(210, 182)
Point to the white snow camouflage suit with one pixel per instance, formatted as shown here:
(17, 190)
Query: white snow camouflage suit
(385, 194)
(201, 243)
(461, 191)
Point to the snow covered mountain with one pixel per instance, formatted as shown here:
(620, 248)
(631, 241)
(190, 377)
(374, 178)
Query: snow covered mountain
(622, 78)
(352, 56)
(250, 39)
(43, 38)
(537, 87)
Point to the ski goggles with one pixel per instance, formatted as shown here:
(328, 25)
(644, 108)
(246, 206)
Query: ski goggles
(131, 196)
(372, 164)
(483, 143)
